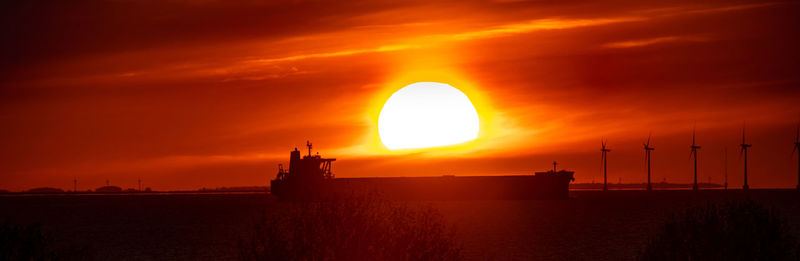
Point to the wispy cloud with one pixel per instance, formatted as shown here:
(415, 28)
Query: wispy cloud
(493, 31)
(541, 24)
(653, 41)
(388, 48)
(730, 8)
(263, 66)
(528, 27)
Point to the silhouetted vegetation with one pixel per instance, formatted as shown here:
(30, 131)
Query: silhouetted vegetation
(352, 228)
(108, 189)
(45, 190)
(728, 231)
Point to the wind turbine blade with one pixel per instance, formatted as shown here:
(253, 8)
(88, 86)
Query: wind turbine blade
(648, 138)
(743, 128)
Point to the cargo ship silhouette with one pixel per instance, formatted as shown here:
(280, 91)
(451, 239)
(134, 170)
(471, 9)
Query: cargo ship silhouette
(310, 178)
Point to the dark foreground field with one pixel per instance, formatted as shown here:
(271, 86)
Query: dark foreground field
(591, 225)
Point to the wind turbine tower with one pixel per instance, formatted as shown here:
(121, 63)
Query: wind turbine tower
(744, 146)
(647, 150)
(797, 148)
(604, 158)
(694, 148)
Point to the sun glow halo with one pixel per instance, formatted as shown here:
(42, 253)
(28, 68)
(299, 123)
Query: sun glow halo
(426, 115)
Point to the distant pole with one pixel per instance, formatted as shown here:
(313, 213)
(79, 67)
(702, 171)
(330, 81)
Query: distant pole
(554, 166)
(649, 187)
(308, 144)
(75, 184)
(745, 187)
(695, 172)
(605, 173)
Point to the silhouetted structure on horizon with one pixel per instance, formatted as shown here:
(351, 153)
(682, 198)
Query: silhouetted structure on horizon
(744, 146)
(694, 148)
(310, 178)
(647, 150)
(604, 158)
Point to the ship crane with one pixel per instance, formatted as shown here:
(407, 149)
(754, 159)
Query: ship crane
(281, 172)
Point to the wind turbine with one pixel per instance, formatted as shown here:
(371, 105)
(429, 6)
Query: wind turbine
(694, 148)
(604, 158)
(647, 150)
(796, 148)
(744, 146)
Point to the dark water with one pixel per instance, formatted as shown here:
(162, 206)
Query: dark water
(591, 225)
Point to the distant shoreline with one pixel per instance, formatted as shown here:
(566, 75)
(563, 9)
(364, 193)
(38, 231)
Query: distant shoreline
(197, 192)
(581, 187)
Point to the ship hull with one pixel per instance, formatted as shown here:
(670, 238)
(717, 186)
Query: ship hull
(431, 188)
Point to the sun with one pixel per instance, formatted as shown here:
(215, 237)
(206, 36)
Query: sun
(426, 115)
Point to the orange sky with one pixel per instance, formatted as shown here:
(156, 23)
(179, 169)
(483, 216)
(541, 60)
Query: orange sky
(190, 94)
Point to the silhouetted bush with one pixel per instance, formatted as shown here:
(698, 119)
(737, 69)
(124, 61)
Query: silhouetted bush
(730, 231)
(352, 228)
(28, 242)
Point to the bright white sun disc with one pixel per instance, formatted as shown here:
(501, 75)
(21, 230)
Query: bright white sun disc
(427, 114)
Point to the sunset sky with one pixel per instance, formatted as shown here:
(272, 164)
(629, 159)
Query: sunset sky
(191, 94)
